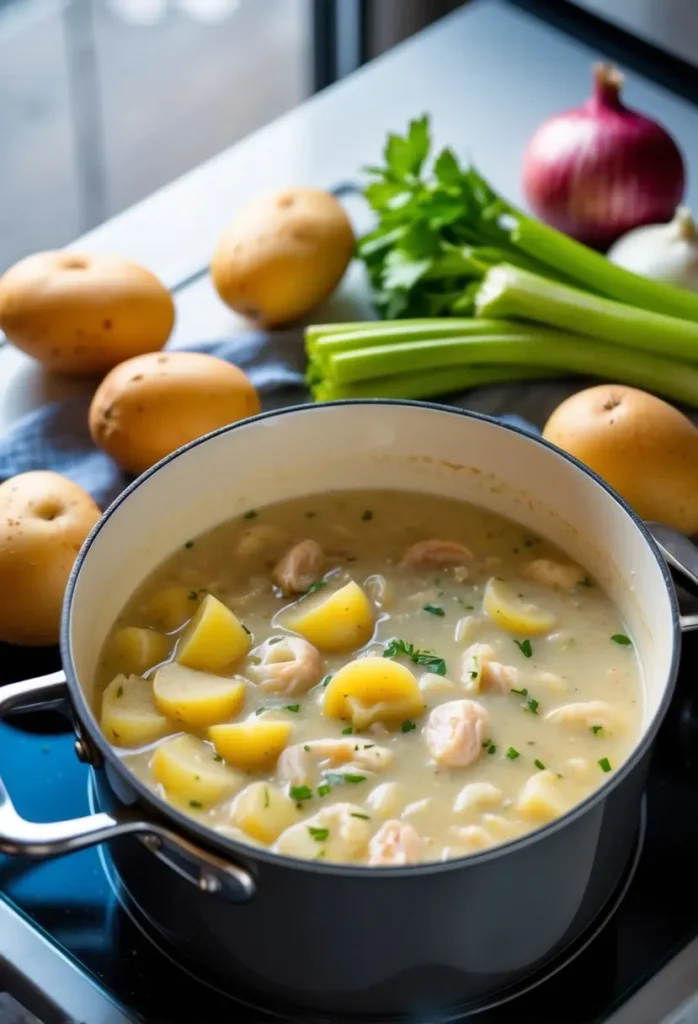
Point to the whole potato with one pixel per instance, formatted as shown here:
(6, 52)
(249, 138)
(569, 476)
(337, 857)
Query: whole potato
(282, 255)
(44, 519)
(151, 405)
(642, 446)
(79, 313)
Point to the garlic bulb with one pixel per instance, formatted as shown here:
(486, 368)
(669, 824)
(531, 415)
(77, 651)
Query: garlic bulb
(663, 252)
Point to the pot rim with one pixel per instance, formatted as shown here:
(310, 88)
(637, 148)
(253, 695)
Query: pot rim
(234, 849)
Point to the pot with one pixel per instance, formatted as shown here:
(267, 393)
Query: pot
(337, 939)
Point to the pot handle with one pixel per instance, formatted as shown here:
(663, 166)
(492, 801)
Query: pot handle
(18, 836)
(681, 555)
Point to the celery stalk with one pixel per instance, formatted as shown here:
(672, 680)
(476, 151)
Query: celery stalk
(535, 347)
(430, 384)
(515, 294)
(397, 332)
(589, 269)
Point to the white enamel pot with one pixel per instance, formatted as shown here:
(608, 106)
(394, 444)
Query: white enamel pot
(355, 940)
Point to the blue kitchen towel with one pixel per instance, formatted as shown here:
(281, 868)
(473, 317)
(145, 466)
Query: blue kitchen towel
(56, 436)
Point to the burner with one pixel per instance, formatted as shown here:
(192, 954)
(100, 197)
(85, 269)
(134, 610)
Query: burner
(482, 1010)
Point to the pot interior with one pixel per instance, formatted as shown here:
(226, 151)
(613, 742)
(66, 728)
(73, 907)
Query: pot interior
(401, 446)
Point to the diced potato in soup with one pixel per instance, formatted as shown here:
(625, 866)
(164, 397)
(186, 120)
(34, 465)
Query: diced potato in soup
(371, 678)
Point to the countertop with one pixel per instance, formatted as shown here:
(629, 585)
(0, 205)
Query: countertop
(488, 74)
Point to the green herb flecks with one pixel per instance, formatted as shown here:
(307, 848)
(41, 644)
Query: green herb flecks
(539, 765)
(196, 804)
(189, 544)
(250, 514)
(266, 796)
(314, 587)
(525, 647)
(318, 834)
(596, 729)
(355, 814)
(523, 692)
(300, 793)
(531, 705)
(512, 753)
(622, 640)
(120, 691)
(295, 708)
(489, 746)
(605, 764)
(434, 609)
(217, 757)
(397, 647)
(348, 730)
(407, 726)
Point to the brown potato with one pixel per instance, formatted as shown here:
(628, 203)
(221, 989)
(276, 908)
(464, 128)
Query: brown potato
(151, 405)
(640, 445)
(282, 255)
(79, 313)
(44, 519)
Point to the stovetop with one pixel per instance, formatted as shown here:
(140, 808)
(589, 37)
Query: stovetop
(70, 952)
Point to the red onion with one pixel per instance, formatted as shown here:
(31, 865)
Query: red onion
(599, 170)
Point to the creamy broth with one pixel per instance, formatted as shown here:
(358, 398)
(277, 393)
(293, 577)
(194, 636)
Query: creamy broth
(500, 689)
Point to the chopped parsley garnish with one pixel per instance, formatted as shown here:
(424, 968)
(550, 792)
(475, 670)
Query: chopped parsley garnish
(523, 692)
(354, 778)
(251, 514)
(326, 680)
(217, 757)
(489, 746)
(355, 814)
(266, 797)
(261, 710)
(407, 726)
(324, 789)
(196, 804)
(193, 595)
(468, 607)
(539, 764)
(434, 609)
(596, 729)
(398, 647)
(306, 747)
(512, 754)
(525, 647)
(532, 706)
(189, 544)
(301, 793)
(248, 631)
(474, 674)
(366, 516)
(295, 708)
(348, 731)
(319, 834)
(622, 640)
(605, 764)
(314, 587)
(120, 692)
(586, 582)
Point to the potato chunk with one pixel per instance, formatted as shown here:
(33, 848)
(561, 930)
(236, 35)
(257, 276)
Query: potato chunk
(136, 650)
(196, 698)
(214, 639)
(171, 607)
(263, 812)
(373, 690)
(512, 613)
(341, 621)
(337, 833)
(191, 773)
(253, 746)
(542, 797)
(129, 717)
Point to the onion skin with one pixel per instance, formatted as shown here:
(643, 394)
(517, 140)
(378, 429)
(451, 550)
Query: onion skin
(600, 170)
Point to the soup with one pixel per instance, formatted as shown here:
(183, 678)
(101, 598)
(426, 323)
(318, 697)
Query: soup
(379, 678)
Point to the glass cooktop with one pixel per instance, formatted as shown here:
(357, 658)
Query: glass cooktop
(70, 952)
